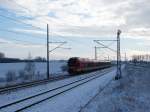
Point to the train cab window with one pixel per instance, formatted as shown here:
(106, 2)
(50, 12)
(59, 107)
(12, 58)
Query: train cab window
(73, 62)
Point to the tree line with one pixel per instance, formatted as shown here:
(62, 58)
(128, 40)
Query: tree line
(4, 59)
(138, 58)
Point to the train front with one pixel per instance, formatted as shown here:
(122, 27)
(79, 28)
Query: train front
(73, 65)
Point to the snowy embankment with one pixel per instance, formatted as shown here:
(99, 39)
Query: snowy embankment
(73, 100)
(23, 93)
(129, 94)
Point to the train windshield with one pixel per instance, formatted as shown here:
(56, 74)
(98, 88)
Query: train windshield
(73, 62)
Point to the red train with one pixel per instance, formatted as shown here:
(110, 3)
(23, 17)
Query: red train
(79, 65)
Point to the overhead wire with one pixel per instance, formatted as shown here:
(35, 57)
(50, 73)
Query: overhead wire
(18, 21)
(58, 35)
(104, 50)
(83, 44)
(20, 5)
(5, 10)
(24, 44)
(11, 12)
(19, 33)
(79, 42)
(24, 8)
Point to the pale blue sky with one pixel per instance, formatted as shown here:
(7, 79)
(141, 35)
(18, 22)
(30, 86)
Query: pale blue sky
(78, 22)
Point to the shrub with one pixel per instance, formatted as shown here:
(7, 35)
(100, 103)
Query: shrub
(10, 76)
(64, 68)
(21, 74)
(29, 69)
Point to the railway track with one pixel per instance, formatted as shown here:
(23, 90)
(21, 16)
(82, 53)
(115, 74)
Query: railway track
(31, 84)
(30, 101)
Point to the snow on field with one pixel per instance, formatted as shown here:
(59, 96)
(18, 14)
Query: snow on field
(75, 99)
(55, 67)
(16, 95)
(130, 94)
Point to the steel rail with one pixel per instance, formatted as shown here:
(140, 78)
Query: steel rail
(89, 79)
(42, 93)
(29, 84)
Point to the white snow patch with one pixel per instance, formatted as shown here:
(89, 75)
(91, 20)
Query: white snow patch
(20, 94)
(55, 67)
(75, 99)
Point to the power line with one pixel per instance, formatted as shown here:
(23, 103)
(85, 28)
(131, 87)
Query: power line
(97, 41)
(106, 53)
(111, 43)
(20, 22)
(20, 43)
(20, 5)
(38, 27)
(79, 42)
(26, 42)
(3, 9)
(24, 8)
(18, 33)
(83, 44)
(58, 35)
(58, 46)
(11, 12)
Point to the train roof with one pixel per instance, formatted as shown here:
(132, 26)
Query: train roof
(86, 59)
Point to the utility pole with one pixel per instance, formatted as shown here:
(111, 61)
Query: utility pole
(95, 53)
(47, 51)
(125, 58)
(108, 57)
(118, 74)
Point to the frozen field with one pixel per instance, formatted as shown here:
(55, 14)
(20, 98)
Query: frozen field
(72, 100)
(16, 95)
(130, 94)
(55, 67)
(11, 73)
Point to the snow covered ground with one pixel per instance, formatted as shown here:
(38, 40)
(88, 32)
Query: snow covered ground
(130, 94)
(75, 99)
(20, 94)
(40, 69)
(80, 99)
(55, 67)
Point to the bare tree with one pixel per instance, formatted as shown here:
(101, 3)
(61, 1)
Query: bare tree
(29, 68)
(141, 58)
(2, 55)
(10, 76)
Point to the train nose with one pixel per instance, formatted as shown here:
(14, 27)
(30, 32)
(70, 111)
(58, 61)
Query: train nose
(71, 70)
